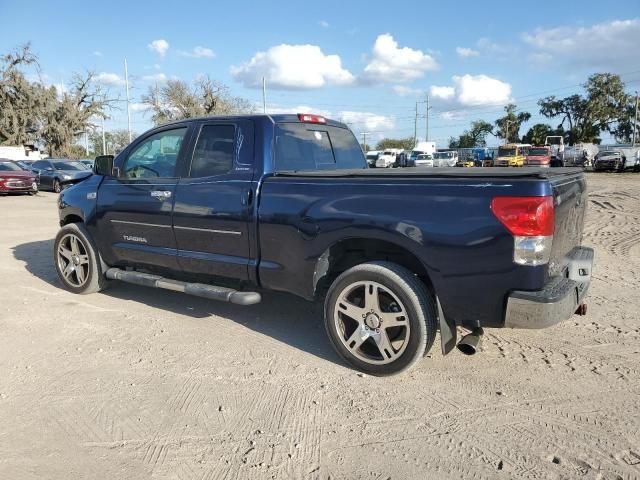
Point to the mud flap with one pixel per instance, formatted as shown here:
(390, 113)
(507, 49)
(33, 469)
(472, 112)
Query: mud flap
(448, 331)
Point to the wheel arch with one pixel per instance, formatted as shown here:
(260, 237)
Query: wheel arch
(349, 252)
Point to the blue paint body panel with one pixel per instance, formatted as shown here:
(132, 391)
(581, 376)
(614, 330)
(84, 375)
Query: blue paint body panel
(268, 229)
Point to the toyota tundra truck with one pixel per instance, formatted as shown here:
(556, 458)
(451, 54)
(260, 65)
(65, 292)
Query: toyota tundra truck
(230, 208)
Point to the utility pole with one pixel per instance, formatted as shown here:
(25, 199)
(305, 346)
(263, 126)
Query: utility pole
(415, 127)
(635, 123)
(86, 143)
(426, 136)
(264, 95)
(364, 141)
(506, 138)
(104, 142)
(126, 82)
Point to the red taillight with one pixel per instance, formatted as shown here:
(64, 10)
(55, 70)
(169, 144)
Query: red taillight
(309, 118)
(525, 216)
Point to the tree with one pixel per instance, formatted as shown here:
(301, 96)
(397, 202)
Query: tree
(606, 107)
(509, 125)
(177, 99)
(474, 137)
(115, 141)
(538, 133)
(404, 143)
(21, 101)
(70, 114)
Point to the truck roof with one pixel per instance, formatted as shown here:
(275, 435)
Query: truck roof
(274, 118)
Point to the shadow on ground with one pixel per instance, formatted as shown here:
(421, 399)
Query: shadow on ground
(286, 318)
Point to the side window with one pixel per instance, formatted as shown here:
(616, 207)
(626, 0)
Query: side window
(41, 165)
(156, 156)
(214, 151)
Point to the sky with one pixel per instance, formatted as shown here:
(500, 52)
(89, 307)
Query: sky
(365, 63)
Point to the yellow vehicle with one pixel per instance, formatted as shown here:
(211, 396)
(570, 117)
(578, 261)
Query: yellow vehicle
(511, 155)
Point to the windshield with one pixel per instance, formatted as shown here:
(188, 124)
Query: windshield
(424, 156)
(9, 167)
(441, 155)
(69, 166)
(538, 151)
(609, 154)
(506, 152)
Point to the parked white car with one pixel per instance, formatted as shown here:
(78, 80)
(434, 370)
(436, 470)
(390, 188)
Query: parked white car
(445, 159)
(424, 160)
(389, 158)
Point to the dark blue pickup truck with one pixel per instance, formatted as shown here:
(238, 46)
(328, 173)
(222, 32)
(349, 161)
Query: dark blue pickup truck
(229, 207)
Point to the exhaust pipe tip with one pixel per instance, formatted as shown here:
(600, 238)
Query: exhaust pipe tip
(470, 343)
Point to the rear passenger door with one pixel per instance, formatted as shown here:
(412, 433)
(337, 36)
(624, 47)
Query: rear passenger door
(214, 200)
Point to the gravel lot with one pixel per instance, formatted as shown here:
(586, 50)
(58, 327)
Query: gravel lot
(137, 383)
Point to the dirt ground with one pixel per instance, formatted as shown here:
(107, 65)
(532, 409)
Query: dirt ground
(137, 383)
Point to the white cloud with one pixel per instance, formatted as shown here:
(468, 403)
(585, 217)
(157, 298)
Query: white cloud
(293, 67)
(453, 115)
(390, 63)
(404, 91)
(97, 53)
(366, 121)
(159, 46)
(607, 45)
(473, 90)
(323, 24)
(111, 79)
(198, 52)
(157, 78)
(442, 93)
(467, 52)
(139, 107)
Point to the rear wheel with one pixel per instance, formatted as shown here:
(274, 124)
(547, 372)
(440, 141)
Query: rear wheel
(77, 261)
(380, 318)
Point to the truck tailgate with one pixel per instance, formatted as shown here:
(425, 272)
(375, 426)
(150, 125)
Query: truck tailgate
(570, 198)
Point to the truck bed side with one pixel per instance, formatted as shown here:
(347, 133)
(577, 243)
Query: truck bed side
(444, 222)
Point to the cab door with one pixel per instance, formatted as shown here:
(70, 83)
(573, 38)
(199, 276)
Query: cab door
(134, 207)
(214, 201)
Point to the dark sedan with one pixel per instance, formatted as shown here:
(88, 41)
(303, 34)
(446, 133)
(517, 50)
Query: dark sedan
(54, 173)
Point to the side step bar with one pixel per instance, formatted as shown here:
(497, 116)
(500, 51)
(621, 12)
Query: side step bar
(197, 289)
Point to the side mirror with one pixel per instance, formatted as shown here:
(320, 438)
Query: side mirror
(49, 169)
(103, 165)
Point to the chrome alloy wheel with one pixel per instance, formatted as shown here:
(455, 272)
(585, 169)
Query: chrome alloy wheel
(73, 260)
(372, 322)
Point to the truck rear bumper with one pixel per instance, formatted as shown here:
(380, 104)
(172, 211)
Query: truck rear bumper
(557, 301)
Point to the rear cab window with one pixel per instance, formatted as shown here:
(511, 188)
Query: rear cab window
(301, 146)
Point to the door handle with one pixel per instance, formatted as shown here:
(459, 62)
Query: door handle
(161, 194)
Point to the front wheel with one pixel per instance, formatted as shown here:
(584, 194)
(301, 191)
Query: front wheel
(56, 186)
(77, 261)
(380, 318)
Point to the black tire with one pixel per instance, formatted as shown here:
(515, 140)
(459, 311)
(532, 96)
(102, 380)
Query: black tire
(392, 280)
(57, 188)
(93, 279)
